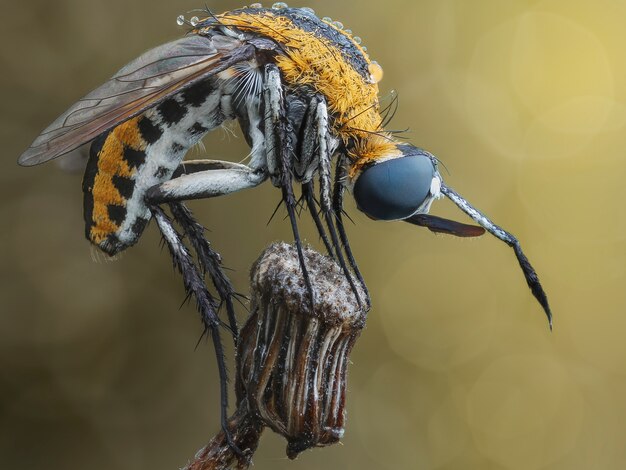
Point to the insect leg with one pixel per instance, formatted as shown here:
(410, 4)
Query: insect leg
(195, 166)
(204, 184)
(305, 167)
(206, 304)
(209, 259)
(325, 183)
(308, 192)
(280, 156)
(339, 187)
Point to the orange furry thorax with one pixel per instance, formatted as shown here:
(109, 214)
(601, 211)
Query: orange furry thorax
(315, 61)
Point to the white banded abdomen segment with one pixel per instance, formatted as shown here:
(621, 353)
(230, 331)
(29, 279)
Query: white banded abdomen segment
(178, 124)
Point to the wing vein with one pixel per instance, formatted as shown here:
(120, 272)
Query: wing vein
(160, 73)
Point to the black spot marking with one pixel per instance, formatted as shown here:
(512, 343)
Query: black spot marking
(197, 94)
(216, 115)
(154, 195)
(161, 172)
(197, 129)
(176, 147)
(171, 111)
(117, 213)
(124, 185)
(111, 245)
(139, 225)
(150, 131)
(134, 158)
(88, 181)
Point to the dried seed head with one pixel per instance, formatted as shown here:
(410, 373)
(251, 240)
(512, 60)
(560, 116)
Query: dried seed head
(292, 362)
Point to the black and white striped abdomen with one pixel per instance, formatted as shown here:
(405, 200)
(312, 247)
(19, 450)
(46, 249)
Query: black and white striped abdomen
(140, 153)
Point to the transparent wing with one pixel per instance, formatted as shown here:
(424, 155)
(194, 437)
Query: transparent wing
(143, 83)
(74, 161)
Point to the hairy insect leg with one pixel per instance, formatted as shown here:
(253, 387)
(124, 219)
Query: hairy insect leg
(339, 187)
(201, 179)
(308, 192)
(305, 166)
(279, 153)
(325, 183)
(529, 272)
(205, 303)
(210, 261)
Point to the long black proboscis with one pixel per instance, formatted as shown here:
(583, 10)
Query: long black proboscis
(209, 260)
(205, 303)
(529, 272)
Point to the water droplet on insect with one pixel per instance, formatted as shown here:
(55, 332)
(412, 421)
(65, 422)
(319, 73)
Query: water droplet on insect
(194, 20)
(308, 10)
(256, 5)
(348, 31)
(279, 6)
(364, 49)
(338, 24)
(180, 20)
(357, 39)
(327, 19)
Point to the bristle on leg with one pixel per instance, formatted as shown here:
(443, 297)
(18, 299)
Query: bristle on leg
(205, 304)
(209, 260)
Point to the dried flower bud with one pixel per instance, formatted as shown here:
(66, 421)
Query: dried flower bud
(292, 361)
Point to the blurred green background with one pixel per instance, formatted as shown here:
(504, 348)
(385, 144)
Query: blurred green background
(524, 102)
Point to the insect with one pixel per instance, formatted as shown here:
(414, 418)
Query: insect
(305, 94)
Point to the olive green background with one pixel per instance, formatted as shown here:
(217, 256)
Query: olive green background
(524, 102)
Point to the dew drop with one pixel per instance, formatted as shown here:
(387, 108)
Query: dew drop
(327, 19)
(256, 5)
(308, 10)
(279, 6)
(338, 24)
(364, 49)
(180, 20)
(194, 20)
(357, 39)
(348, 31)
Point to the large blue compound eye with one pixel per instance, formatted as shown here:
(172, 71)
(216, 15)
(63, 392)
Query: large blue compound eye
(394, 189)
